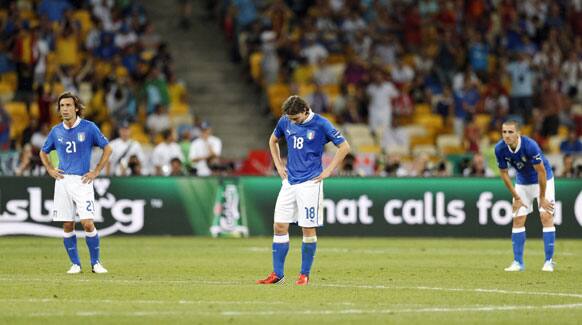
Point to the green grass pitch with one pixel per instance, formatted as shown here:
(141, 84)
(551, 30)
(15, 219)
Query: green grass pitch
(195, 280)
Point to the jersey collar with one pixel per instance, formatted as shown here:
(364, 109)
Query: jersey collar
(309, 118)
(74, 125)
(516, 148)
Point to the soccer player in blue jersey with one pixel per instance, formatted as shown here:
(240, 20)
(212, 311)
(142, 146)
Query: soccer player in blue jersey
(301, 197)
(534, 180)
(73, 140)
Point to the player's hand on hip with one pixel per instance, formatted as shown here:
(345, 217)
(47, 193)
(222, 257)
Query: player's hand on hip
(517, 203)
(89, 177)
(282, 173)
(325, 174)
(546, 205)
(55, 173)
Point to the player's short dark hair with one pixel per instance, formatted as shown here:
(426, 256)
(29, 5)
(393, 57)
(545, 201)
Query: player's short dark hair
(78, 104)
(295, 105)
(513, 122)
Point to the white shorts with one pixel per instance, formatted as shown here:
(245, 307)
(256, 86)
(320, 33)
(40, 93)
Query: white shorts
(300, 203)
(73, 198)
(528, 193)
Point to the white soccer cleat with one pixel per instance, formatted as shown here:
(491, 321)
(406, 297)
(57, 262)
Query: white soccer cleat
(515, 267)
(75, 269)
(549, 266)
(98, 268)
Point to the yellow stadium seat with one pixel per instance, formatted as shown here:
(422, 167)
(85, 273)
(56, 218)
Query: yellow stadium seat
(422, 109)
(336, 58)
(563, 131)
(179, 108)
(421, 140)
(303, 74)
(483, 121)
(331, 90)
(525, 130)
(330, 117)
(34, 110)
(369, 148)
(432, 122)
(276, 94)
(255, 65)
(306, 89)
(554, 143)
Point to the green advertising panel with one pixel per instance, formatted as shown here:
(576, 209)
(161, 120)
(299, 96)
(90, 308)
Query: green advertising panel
(237, 207)
(456, 207)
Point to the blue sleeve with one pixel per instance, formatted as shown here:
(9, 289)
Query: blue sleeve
(279, 129)
(98, 138)
(49, 143)
(501, 163)
(332, 134)
(533, 153)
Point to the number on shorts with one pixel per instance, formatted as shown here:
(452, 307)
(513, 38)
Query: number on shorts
(310, 212)
(90, 206)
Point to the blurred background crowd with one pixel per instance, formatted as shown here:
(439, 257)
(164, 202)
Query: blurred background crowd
(419, 88)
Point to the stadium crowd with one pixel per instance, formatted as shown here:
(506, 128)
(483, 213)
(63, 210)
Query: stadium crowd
(420, 88)
(109, 53)
(432, 79)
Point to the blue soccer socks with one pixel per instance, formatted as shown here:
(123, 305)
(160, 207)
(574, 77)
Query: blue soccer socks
(308, 253)
(518, 241)
(70, 241)
(92, 239)
(280, 249)
(549, 241)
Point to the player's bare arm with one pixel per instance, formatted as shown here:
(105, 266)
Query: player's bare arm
(342, 150)
(276, 154)
(91, 175)
(544, 203)
(51, 170)
(517, 203)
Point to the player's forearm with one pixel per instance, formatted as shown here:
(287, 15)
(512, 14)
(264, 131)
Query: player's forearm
(45, 160)
(542, 181)
(339, 156)
(104, 159)
(508, 184)
(276, 154)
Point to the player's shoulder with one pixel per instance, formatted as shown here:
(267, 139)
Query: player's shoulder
(527, 141)
(500, 146)
(321, 120)
(85, 123)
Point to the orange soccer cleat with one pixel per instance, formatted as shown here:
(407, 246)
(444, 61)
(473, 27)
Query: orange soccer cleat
(303, 280)
(272, 279)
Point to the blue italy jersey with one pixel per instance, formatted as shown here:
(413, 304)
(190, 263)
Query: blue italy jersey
(526, 155)
(305, 144)
(74, 145)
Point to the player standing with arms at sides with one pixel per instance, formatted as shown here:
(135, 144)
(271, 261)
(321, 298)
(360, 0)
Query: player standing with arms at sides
(73, 140)
(301, 197)
(534, 180)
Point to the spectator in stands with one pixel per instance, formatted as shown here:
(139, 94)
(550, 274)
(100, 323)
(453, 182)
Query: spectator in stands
(39, 137)
(402, 74)
(205, 151)
(465, 105)
(30, 129)
(569, 169)
(478, 168)
(313, 51)
(54, 10)
(380, 93)
(551, 104)
(4, 129)
(522, 80)
(347, 167)
(270, 61)
(572, 145)
(134, 166)
(176, 168)
(159, 121)
(122, 148)
(318, 100)
(164, 153)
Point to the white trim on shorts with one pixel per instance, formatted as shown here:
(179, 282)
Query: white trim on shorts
(528, 193)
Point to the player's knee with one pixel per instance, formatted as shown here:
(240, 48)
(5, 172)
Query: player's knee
(518, 222)
(88, 226)
(547, 219)
(309, 232)
(68, 226)
(281, 228)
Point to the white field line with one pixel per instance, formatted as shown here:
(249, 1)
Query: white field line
(330, 285)
(484, 309)
(436, 251)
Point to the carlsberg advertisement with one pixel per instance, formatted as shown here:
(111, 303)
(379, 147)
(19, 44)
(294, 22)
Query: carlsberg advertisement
(242, 206)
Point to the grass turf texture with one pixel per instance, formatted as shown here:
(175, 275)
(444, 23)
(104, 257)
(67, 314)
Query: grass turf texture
(203, 280)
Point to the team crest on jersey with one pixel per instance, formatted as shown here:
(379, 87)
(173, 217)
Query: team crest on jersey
(310, 135)
(523, 159)
(81, 136)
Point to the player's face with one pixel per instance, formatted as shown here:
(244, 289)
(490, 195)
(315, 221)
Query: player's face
(298, 118)
(510, 134)
(67, 109)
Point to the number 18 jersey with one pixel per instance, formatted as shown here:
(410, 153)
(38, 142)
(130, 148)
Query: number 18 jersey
(305, 143)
